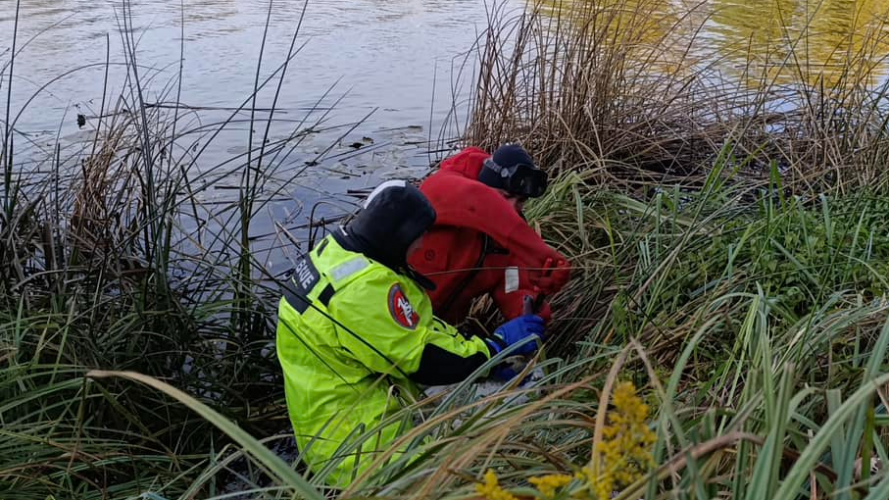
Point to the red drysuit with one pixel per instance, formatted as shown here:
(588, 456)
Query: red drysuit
(477, 227)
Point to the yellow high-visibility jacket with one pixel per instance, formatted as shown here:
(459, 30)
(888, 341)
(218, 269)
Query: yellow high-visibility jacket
(349, 329)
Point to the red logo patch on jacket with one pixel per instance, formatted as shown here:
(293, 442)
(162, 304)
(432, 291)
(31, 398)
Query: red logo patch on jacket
(401, 309)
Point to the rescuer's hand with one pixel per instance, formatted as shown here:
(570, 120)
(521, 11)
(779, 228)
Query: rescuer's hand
(516, 331)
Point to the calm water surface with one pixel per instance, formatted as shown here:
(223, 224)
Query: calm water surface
(384, 53)
(388, 55)
(756, 42)
(389, 59)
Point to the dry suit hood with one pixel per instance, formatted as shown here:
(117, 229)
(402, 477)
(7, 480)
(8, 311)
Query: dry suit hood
(394, 215)
(466, 163)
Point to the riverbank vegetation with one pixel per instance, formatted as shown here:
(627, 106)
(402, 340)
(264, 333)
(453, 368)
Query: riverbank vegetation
(725, 333)
(649, 91)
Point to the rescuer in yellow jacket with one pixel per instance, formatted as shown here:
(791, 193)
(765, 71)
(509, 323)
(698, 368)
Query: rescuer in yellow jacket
(355, 327)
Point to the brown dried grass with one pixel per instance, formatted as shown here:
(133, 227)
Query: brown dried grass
(631, 95)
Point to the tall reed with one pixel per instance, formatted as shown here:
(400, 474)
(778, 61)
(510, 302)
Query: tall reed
(639, 92)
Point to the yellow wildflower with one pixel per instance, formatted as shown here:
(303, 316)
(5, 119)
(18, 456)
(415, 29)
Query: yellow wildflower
(491, 490)
(625, 450)
(624, 456)
(626, 447)
(549, 484)
(596, 486)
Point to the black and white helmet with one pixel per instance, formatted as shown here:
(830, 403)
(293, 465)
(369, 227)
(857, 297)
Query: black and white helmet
(393, 216)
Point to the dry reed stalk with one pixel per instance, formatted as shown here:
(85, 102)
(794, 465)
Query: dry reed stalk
(628, 89)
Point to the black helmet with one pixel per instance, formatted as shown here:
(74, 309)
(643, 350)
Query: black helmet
(391, 219)
(512, 170)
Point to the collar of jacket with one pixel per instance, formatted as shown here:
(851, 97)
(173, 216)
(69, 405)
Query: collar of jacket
(353, 244)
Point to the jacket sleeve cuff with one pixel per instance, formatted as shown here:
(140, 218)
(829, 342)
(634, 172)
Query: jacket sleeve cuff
(494, 348)
(440, 367)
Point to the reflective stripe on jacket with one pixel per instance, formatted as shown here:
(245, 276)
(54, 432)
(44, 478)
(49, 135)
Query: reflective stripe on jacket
(365, 330)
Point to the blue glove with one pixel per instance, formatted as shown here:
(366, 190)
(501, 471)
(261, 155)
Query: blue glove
(504, 373)
(514, 331)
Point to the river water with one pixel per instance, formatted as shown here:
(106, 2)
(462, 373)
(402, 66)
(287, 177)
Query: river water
(384, 53)
(388, 54)
(387, 72)
(390, 68)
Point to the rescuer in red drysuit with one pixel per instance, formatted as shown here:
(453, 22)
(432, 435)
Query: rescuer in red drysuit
(479, 198)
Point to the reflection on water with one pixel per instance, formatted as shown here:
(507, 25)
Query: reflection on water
(829, 43)
(642, 30)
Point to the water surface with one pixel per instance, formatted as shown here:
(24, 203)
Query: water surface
(384, 63)
(753, 43)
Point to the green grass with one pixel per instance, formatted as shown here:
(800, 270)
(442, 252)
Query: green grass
(758, 390)
(753, 322)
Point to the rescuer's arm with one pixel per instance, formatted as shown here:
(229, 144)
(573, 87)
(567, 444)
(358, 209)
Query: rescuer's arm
(462, 202)
(394, 331)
